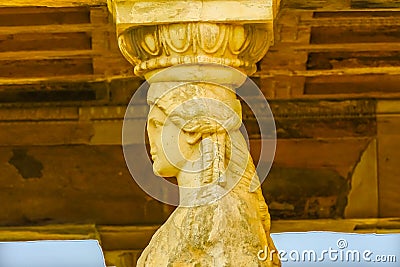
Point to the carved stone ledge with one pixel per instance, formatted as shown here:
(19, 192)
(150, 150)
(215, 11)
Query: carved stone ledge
(136, 13)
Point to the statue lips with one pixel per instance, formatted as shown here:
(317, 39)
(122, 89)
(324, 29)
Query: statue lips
(154, 153)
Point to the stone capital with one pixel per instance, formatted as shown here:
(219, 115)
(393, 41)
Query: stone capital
(157, 34)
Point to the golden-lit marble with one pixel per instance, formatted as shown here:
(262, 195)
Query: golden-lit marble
(221, 220)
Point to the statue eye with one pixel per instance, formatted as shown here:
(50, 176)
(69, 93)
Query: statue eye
(157, 123)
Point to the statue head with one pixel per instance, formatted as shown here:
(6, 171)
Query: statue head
(170, 146)
(194, 128)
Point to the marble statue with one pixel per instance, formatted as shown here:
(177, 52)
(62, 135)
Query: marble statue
(194, 136)
(193, 125)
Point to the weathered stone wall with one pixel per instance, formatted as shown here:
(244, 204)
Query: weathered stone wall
(75, 171)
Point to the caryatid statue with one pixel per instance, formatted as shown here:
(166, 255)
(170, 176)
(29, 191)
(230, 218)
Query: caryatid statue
(191, 54)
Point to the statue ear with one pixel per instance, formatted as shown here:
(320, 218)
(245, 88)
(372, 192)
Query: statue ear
(192, 137)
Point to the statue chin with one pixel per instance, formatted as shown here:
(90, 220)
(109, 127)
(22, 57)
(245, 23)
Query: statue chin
(159, 172)
(163, 170)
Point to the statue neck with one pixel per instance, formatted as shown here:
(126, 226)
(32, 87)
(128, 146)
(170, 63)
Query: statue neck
(192, 191)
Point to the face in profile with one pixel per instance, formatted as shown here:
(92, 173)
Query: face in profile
(168, 145)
